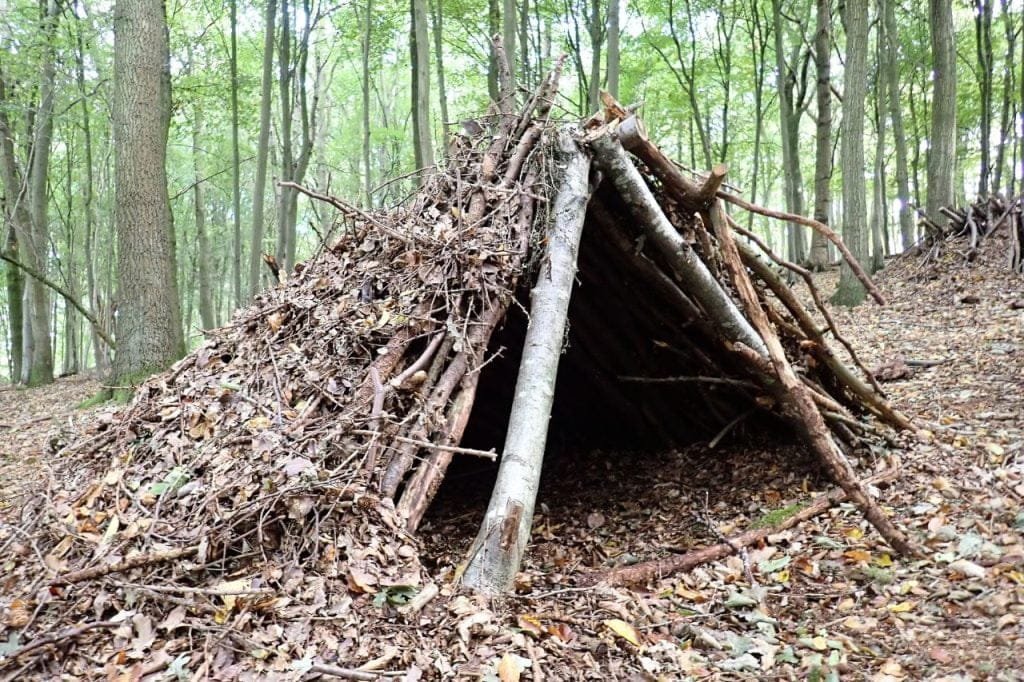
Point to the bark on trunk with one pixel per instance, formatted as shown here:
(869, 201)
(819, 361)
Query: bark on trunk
(149, 330)
(504, 534)
(687, 266)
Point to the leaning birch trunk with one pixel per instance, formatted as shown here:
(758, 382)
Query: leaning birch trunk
(686, 264)
(498, 549)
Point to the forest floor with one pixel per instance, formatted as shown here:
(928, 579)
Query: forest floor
(825, 600)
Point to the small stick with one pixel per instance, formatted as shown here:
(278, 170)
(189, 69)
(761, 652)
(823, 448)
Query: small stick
(126, 565)
(487, 454)
(648, 570)
(67, 633)
(690, 380)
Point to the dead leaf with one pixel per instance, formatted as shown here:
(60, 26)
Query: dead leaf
(623, 630)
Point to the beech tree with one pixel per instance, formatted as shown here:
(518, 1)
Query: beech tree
(149, 332)
(855, 230)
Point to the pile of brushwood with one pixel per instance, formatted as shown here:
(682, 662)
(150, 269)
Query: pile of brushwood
(254, 506)
(966, 228)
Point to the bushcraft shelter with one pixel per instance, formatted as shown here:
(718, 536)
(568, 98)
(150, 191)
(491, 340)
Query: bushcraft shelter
(292, 456)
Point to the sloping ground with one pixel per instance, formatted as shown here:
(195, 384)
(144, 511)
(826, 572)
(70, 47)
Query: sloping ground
(826, 595)
(32, 421)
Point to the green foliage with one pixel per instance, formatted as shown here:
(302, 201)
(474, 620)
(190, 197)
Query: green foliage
(777, 516)
(693, 63)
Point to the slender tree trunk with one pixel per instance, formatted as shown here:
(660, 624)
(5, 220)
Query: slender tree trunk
(420, 60)
(1008, 107)
(206, 315)
(262, 150)
(14, 282)
(758, 50)
(817, 260)
(101, 353)
(613, 48)
(39, 368)
(595, 27)
(942, 140)
(891, 40)
(367, 168)
(505, 532)
(236, 165)
(149, 333)
(493, 27)
(17, 222)
(879, 211)
(983, 49)
(789, 124)
(509, 26)
(442, 91)
(285, 229)
(855, 232)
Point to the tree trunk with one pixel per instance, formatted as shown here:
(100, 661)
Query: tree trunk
(262, 150)
(595, 28)
(509, 27)
(505, 531)
(149, 331)
(236, 166)
(493, 27)
(14, 282)
(879, 211)
(789, 124)
(101, 352)
(442, 90)
(36, 245)
(206, 315)
(420, 60)
(285, 228)
(855, 234)
(613, 48)
(1009, 106)
(891, 40)
(18, 222)
(817, 260)
(983, 49)
(942, 140)
(367, 168)
(758, 50)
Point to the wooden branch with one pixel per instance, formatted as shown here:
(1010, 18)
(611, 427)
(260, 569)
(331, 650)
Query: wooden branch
(343, 673)
(65, 634)
(35, 274)
(505, 531)
(128, 564)
(713, 183)
(724, 381)
(647, 571)
(817, 226)
(486, 454)
(687, 266)
(796, 399)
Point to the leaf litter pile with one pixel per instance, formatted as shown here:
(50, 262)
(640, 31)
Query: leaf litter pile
(222, 526)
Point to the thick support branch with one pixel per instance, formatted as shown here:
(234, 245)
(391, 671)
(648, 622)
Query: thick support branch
(795, 398)
(688, 268)
(498, 549)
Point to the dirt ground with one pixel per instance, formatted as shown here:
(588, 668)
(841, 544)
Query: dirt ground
(825, 600)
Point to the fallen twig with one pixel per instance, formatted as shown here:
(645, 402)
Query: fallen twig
(649, 570)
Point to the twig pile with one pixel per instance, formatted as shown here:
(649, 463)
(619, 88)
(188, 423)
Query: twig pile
(967, 228)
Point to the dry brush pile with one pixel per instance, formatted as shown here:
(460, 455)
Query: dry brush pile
(253, 507)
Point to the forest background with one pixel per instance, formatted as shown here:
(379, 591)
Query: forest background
(870, 116)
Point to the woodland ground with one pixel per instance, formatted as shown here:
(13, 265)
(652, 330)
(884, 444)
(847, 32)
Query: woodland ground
(823, 599)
